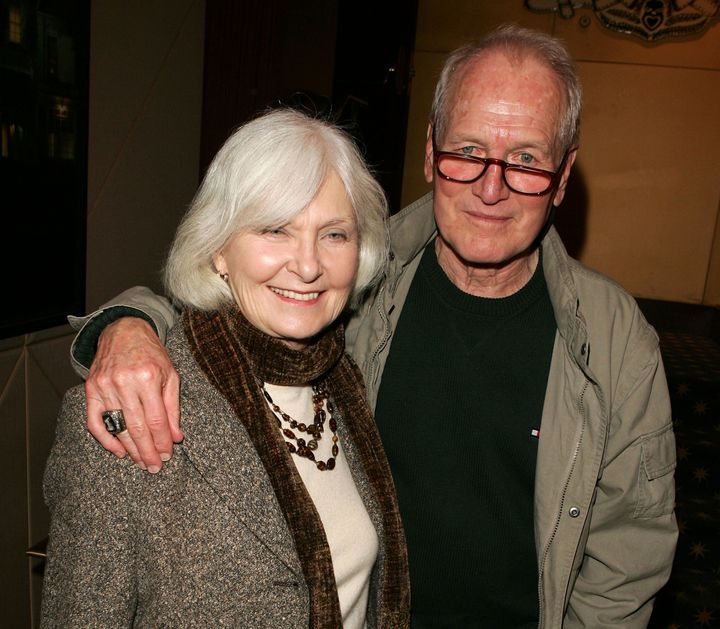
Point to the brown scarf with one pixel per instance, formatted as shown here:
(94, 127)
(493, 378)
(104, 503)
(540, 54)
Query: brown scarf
(233, 355)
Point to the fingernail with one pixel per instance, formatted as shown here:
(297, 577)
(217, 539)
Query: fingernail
(142, 466)
(154, 469)
(164, 456)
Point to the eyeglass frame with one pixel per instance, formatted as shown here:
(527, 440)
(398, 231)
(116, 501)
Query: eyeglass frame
(555, 176)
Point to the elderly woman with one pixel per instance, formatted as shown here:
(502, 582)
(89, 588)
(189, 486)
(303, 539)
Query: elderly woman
(278, 508)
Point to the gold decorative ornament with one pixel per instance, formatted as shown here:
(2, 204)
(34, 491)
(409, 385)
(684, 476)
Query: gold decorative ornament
(650, 19)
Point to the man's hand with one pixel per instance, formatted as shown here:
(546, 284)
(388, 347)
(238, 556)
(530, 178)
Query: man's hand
(132, 372)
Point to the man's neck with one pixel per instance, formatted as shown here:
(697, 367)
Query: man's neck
(494, 281)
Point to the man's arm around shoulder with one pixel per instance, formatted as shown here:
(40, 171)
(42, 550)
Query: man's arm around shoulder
(119, 349)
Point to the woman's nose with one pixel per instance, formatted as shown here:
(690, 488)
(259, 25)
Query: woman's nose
(305, 261)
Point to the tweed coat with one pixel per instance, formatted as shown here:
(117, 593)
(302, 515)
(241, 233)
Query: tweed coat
(201, 543)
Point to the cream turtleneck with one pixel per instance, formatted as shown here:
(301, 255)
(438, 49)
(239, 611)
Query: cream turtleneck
(350, 534)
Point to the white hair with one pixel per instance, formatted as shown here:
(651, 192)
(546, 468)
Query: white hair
(515, 42)
(264, 175)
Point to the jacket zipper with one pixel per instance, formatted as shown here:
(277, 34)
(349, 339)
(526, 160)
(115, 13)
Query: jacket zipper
(562, 507)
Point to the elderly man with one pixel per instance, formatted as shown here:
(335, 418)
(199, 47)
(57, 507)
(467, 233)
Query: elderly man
(520, 396)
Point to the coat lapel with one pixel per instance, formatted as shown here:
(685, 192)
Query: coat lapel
(219, 447)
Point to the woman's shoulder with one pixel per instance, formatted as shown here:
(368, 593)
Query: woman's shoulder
(73, 411)
(178, 347)
(196, 391)
(181, 355)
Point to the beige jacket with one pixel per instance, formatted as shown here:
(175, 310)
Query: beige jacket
(605, 529)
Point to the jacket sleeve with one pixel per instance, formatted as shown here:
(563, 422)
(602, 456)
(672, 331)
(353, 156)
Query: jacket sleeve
(138, 301)
(90, 572)
(632, 533)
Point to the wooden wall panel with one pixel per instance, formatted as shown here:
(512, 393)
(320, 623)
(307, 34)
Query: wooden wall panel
(144, 137)
(427, 67)
(712, 286)
(444, 25)
(650, 149)
(14, 575)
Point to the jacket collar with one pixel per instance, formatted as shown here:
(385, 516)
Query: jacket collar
(410, 232)
(565, 300)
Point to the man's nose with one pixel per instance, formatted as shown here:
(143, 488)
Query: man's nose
(491, 187)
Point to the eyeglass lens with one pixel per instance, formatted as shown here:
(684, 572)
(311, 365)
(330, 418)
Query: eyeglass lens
(461, 169)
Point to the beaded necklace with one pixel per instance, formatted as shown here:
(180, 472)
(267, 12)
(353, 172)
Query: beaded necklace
(315, 430)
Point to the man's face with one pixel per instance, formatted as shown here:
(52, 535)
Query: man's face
(507, 110)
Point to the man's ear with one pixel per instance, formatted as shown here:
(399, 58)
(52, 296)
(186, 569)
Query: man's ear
(560, 192)
(429, 165)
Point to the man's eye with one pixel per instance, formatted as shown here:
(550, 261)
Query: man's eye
(467, 150)
(526, 159)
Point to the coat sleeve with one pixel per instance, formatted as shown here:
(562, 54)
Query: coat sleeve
(632, 532)
(90, 572)
(138, 301)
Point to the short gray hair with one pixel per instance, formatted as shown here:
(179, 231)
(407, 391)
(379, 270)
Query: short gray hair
(514, 41)
(264, 175)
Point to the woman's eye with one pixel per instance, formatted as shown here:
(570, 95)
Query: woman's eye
(273, 231)
(336, 236)
(467, 150)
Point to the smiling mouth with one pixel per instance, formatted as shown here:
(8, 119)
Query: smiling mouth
(291, 294)
(487, 217)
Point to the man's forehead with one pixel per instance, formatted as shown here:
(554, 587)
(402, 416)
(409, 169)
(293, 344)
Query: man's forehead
(501, 112)
(506, 93)
(498, 74)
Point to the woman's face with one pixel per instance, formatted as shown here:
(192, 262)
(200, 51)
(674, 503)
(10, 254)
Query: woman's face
(293, 280)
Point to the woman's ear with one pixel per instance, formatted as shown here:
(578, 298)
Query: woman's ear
(219, 263)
